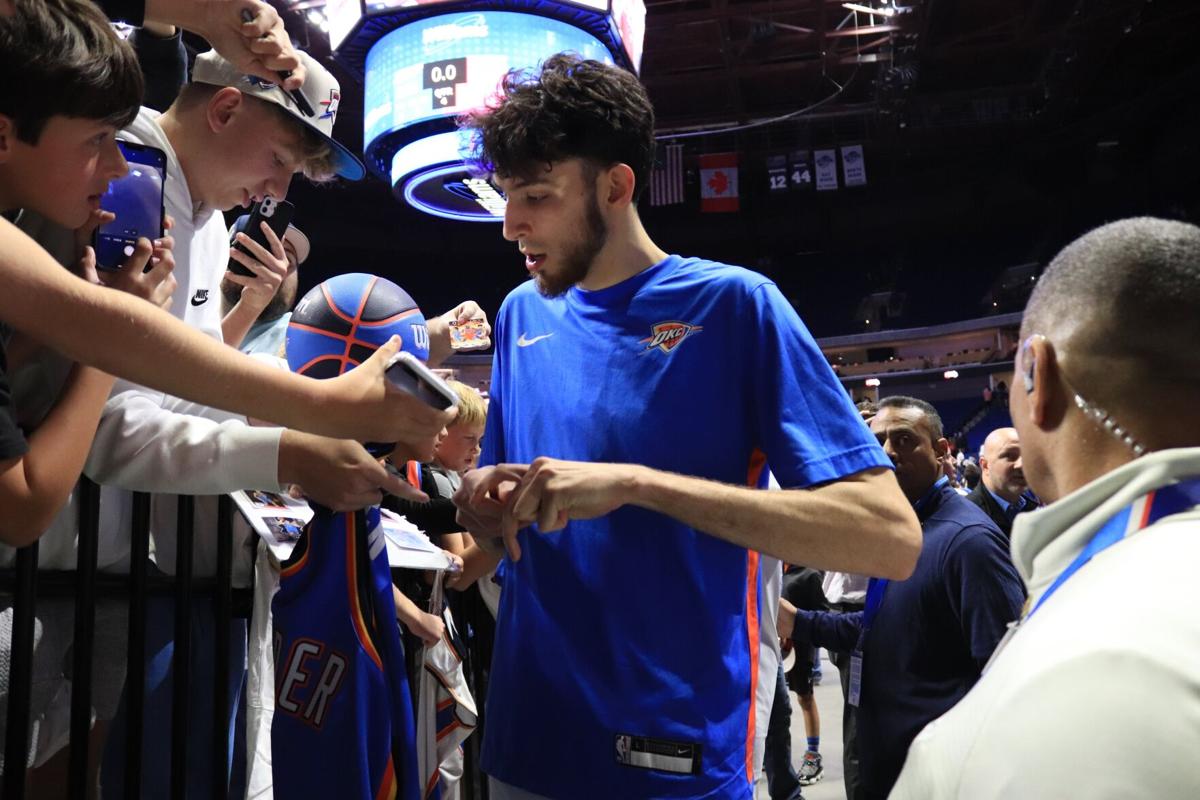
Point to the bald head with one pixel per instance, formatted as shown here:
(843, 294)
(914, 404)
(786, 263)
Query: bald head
(1120, 306)
(1000, 463)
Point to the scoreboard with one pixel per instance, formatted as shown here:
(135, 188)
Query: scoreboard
(445, 65)
(426, 62)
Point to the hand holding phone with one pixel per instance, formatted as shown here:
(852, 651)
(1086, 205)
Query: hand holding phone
(410, 373)
(136, 203)
(277, 214)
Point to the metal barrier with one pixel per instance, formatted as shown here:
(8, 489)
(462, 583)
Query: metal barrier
(24, 582)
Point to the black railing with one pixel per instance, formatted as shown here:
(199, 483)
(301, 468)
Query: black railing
(25, 583)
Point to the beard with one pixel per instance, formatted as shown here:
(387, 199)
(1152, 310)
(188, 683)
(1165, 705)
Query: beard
(280, 304)
(579, 256)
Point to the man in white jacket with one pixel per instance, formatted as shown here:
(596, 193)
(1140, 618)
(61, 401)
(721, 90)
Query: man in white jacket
(1096, 692)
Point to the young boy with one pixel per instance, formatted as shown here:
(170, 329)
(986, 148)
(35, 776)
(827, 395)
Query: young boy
(58, 153)
(72, 83)
(458, 450)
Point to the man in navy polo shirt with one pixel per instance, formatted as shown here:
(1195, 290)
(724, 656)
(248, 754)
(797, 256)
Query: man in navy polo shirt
(920, 644)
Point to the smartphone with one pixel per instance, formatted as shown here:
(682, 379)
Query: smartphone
(277, 214)
(137, 200)
(410, 373)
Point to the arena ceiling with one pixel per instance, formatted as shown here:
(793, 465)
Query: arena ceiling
(994, 132)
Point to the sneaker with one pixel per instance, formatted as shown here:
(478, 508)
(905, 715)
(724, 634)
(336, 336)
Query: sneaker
(811, 770)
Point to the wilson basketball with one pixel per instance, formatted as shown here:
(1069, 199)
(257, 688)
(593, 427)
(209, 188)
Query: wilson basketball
(342, 321)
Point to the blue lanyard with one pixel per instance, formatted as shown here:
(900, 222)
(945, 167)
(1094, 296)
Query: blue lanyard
(1149, 508)
(877, 586)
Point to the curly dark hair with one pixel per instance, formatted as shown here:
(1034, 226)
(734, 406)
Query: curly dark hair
(570, 108)
(63, 57)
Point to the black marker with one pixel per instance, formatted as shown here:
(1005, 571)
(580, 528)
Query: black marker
(297, 95)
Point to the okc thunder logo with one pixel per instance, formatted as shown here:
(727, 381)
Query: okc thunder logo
(666, 336)
(254, 80)
(331, 105)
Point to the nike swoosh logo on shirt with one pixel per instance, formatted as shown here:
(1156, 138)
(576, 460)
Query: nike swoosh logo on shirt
(523, 342)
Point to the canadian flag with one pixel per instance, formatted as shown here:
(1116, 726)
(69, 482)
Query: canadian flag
(719, 182)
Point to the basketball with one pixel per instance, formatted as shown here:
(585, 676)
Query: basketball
(343, 320)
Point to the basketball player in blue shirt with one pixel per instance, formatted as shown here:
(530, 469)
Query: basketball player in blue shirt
(637, 400)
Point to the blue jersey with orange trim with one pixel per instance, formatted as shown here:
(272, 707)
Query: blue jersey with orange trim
(343, 724)
(627, 651)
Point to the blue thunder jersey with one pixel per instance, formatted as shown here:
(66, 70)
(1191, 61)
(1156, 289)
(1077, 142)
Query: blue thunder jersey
(343, 724)
(627, 650)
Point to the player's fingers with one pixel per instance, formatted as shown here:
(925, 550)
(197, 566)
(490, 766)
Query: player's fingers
(548, 514)
(511, 544)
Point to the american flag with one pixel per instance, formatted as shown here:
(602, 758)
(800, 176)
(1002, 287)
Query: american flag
(666, 183)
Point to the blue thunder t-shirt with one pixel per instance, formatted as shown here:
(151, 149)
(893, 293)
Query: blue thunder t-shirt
(626, 658)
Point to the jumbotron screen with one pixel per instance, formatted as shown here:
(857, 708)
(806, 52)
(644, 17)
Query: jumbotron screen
(445, 65)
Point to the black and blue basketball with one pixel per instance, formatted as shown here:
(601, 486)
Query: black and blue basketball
(342, 321)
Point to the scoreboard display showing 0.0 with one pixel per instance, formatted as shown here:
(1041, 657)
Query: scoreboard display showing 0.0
(448, 64)
(442, 77)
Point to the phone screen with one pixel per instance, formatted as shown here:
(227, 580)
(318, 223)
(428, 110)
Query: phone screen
(137, 200)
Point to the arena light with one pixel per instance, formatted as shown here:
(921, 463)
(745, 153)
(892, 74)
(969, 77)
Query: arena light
(884, 12)
(950, 374)
(872, 382)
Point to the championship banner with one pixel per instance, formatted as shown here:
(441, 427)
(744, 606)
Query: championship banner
(666, 182)
(719, 182)
(854, 169)
(826, 161)
(800, 173)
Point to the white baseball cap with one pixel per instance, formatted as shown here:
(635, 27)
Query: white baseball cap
(320, 90)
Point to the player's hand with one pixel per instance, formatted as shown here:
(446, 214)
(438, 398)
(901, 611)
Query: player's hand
(481, 500)
(248, 33)
(337, 473)
(270, 268)
(552, 492)
(367, 406)
(439, 329)
(785, 622)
